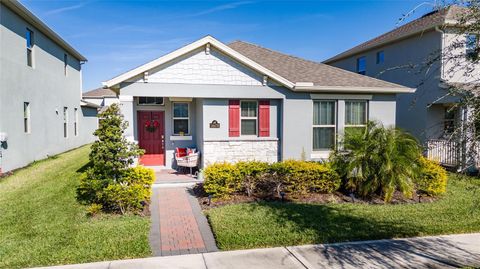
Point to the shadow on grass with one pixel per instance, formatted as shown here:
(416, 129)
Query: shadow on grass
(331, 224)
(84, 167)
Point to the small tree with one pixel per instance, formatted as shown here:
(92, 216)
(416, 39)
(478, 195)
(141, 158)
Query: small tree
(378, 160)
(111, 154)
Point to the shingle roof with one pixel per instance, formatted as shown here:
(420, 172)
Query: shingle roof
(100, 92)
(426, 22)
(300, 70)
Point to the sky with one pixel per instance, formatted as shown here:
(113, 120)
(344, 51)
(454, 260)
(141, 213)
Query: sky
(116, 36)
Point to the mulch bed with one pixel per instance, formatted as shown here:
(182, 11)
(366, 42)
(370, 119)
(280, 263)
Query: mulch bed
(310, 198)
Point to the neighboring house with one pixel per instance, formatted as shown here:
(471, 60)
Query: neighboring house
(101, 96)
(400, 56)
(41, 112)
(244, 102)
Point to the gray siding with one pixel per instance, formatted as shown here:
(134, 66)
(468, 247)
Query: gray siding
(47, 90)
(403, 65)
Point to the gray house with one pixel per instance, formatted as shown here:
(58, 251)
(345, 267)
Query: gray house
(41, 111)
(244, 102)
(399, 56)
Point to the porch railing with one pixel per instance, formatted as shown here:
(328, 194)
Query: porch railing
(444, 151)
(448, 153)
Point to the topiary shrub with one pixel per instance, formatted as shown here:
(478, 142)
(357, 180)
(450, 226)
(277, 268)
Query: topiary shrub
(221, 179)
(110, 182)
(432, 179)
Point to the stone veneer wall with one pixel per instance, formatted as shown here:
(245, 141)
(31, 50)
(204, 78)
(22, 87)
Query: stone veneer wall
(245, 150)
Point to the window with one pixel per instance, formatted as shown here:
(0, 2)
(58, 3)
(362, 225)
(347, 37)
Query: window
(248, 117)
(26, 117)
(472, 47)
(180, 118)
(65, 122)
(449, 121)
(29, 38)
(355, 115)
(150, 100)
(361, 65)
(75, 121)
(380, 57)
(65, 63)
(324, 126)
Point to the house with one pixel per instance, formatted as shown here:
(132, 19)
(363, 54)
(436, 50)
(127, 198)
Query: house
(41, 111)
(102, 97)
(244, 102)
(400, 56)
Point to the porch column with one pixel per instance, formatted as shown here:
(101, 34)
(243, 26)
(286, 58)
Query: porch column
(126, 108)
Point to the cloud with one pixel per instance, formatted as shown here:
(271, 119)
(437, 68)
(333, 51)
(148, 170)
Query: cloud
(220, 8)
(64, 9)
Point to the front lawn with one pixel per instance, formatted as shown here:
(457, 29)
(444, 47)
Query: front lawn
(269, 224)
(41, 222)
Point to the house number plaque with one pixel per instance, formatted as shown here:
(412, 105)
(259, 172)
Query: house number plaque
(214, 124)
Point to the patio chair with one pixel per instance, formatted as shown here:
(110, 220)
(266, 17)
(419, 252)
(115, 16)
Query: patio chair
(187, 159)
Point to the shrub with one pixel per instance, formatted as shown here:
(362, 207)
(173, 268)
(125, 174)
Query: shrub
(300, 177)
(378, 160)
(110, 177)
(251, 174)
(295, 177)
(433, 178)
(94, 209)
(221, 179)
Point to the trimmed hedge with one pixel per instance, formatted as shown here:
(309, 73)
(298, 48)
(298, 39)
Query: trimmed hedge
(293, 177)
(432, 179)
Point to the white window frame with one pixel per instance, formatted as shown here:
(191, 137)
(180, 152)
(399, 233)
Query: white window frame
(26, 118)
(366, 113)
(475, 51)
(452, 121)
(30, 48)
(180, 118)
(335, 119)
(65, 122)
(151, 104)
(249, 118)
(75, 121)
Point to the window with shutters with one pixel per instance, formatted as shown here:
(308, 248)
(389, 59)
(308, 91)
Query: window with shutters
(249, 118)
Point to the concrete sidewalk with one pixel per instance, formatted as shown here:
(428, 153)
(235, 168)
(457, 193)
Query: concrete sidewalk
(451, 251)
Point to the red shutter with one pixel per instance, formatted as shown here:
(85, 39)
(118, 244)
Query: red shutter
(233, 118)
(264, 118)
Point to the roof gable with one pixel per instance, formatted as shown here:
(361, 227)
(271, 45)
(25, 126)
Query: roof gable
(206, 41)
(203, 67)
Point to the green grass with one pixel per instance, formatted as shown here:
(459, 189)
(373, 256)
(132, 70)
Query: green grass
(269, 224)
(41, 222)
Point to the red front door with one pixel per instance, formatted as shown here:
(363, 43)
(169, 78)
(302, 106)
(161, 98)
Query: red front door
(151, 136)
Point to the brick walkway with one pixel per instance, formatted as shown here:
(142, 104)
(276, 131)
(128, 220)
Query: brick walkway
(178, 225)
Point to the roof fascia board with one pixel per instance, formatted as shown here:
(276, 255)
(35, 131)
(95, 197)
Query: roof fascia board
(28, 16)
(190, 47)
(344, 89)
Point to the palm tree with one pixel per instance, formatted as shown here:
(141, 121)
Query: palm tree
(378, 160)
